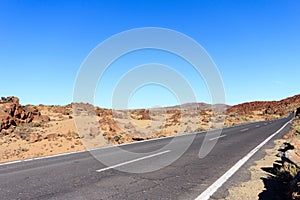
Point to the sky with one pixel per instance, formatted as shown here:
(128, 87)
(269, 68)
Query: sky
(254, 44)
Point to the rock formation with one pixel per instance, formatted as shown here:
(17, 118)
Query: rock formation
(280, 108)
(13, 114)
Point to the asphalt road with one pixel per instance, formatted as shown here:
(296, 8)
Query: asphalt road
(82, 176)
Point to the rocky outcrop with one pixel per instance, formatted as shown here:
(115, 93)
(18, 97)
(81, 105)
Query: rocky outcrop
(280, 108)
(141, 114)
(13, 114)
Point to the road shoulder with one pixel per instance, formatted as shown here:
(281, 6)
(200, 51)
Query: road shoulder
(254, 188)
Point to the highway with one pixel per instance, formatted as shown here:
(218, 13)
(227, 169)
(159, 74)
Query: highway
(82, 176)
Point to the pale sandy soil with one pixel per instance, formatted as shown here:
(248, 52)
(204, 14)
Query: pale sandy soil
(21, 149)
(16, 149)
(160, 125)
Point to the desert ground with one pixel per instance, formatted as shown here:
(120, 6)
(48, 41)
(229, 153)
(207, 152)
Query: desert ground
(28, 131)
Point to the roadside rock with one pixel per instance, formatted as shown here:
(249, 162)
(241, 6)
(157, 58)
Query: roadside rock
(12, 113)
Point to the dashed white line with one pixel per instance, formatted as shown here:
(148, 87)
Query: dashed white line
(257, 126)
(131, 161)
(218, 183)
(243, 130)
(265, 123)
(217, 137)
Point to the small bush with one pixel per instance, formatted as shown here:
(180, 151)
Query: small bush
(75, 133)
(117, 137)
(37, 124)
(297, 129)
(244, 119)
(287, 172)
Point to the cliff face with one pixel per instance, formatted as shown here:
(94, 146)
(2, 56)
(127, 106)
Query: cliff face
(281, 108)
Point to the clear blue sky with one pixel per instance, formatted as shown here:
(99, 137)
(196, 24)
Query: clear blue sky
(255, 45)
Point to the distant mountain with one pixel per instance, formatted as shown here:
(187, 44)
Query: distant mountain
(199, 106)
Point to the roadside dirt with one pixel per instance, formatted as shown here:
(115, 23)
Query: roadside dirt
(277, 175)
(255, 188)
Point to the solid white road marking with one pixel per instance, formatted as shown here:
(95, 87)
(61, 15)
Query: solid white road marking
(40, 158)
(131, 161)
(218, 183)
(217, 137)
(257, 126)
(265, 123)
(243, 130)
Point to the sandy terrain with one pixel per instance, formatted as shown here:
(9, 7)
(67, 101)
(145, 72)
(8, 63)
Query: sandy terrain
(55, 137)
